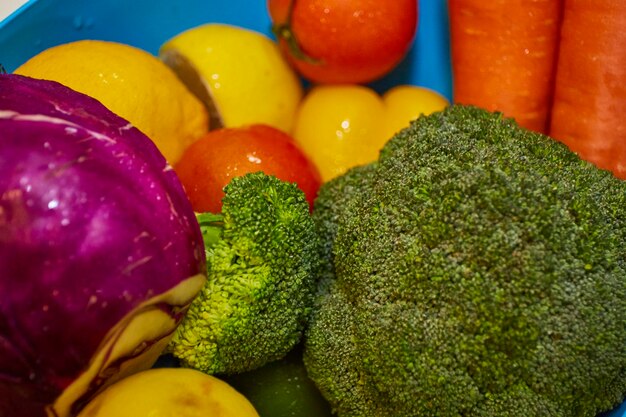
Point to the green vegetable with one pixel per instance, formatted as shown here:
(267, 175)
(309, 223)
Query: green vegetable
(262, 261)
(476, 269)
(282, 389)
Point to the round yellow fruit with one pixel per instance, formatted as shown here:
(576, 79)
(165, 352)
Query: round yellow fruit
(343, 126)
(405, 103)
(340, 126)
(169, 392)
(240, 74)
(130, 82)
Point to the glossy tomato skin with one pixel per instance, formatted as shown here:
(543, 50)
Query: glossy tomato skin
(340, 126)
(353, 41)
(209, 164)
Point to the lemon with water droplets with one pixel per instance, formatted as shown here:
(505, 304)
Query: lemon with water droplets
(238, 73)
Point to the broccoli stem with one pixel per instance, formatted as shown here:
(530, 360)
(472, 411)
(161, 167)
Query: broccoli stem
(211, 226)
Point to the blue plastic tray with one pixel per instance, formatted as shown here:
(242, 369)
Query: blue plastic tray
(146, 24)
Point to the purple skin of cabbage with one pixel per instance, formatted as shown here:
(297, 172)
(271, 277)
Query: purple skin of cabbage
(93, 222)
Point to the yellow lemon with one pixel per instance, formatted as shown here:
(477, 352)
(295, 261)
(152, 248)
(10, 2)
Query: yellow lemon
(130, 82)
(340, 126)
(240, 74)
(405, 103)
(169, 392)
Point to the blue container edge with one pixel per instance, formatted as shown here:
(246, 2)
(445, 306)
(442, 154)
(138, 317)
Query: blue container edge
(431, 11)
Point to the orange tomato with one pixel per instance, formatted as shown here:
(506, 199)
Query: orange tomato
(339, 41)
(209, 164)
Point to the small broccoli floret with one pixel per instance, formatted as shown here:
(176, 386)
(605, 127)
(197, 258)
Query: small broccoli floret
(475, 269)
(262, 261)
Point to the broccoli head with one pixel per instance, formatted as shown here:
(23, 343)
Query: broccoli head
(262, 261)
(475, 269)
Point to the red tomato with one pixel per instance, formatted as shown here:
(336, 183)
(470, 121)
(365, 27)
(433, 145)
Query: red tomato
(209, 164)
(350, 41)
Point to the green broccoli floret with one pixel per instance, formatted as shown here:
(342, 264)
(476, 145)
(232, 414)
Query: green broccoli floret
(262, 262)
(475, 269)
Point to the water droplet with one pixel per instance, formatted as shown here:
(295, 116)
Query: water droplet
(78, 22)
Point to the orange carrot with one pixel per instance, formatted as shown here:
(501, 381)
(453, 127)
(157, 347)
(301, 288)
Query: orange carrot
(503, 56)
(589, 113)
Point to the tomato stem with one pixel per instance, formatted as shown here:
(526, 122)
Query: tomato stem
(285, 32)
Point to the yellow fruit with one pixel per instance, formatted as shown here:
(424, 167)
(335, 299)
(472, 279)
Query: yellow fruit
(340, 126)
(404, 103)
(130, 82)
(169, 392)
(237, 72)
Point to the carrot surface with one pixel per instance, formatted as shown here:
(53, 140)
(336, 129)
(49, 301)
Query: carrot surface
(589, 113)
(503, 56)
